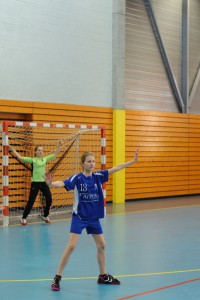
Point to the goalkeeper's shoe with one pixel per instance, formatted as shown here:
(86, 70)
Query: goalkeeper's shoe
(46, 219)
(107, 279)
(55, 285)
(23, 222)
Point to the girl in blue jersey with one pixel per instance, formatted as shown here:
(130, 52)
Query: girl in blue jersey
(88, 208)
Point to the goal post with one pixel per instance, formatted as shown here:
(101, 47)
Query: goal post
(16, 176)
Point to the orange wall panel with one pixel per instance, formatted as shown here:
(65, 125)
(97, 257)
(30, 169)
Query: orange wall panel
(169, 160)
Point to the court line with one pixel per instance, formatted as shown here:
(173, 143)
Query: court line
(94, 277)
(36, 223)
(159, 289)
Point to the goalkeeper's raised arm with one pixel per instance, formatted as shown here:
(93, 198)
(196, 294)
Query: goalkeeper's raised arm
(14, 152)
(57, 150)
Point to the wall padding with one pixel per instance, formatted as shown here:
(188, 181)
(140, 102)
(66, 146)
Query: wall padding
(169, 161)
(64, 113)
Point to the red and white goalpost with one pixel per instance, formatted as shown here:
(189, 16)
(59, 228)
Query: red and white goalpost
(16, 176)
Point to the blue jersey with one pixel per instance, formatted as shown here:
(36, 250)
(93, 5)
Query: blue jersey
(88, 194)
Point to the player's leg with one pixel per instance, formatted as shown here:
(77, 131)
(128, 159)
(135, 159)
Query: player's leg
(48, 201)
(97, 233)
(32, 196)
(101, 257)
(77, 225)
(73, 239)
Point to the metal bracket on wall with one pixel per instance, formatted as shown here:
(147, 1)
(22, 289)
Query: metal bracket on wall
(164, 56)
(195, 85)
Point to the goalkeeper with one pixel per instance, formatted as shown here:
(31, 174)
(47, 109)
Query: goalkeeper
(88, 208)
(38, 165)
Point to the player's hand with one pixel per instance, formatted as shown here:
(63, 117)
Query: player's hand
(10, 148)
(136, 154)
(48, 178)
(60, 143)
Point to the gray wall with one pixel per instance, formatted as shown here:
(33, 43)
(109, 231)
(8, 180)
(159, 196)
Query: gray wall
(162, 55)
(56, 51)
(146, 83)
(99, 53)
(194, 57)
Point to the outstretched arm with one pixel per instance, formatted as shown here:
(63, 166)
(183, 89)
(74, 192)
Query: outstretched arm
(49, 182)
(57, 150)
(14, 152)
(124, 165)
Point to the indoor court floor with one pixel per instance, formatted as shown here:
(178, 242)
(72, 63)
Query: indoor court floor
(153, 248)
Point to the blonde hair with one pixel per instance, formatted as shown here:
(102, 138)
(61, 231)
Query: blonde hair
(86, 154)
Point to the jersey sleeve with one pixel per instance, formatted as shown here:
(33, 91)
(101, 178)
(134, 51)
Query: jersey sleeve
(106, 175)
(70, 183)
(26, 159)
(49, 157)
(103, 176)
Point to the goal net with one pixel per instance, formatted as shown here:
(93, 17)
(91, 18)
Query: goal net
(15, 176)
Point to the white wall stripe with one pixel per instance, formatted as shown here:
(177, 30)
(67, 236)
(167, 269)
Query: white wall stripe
(59, 125)
(103, 159)
(83, 126)
(5, 221)
(72, 126)
(5, 160)
(46, 125)
(4, 139)
(5, 180)
(103, 142)
(19, 123)
(33, 124)
(5, 200)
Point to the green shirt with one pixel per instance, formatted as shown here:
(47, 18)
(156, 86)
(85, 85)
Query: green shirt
(39, 166)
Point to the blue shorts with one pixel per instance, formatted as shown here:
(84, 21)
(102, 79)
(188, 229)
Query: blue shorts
(91, 226)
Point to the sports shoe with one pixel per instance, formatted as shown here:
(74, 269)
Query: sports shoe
(107, 279)
(23, 222)
(46, 219)
(55, 285)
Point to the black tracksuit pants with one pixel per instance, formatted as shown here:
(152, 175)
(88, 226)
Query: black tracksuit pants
(35, 188)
